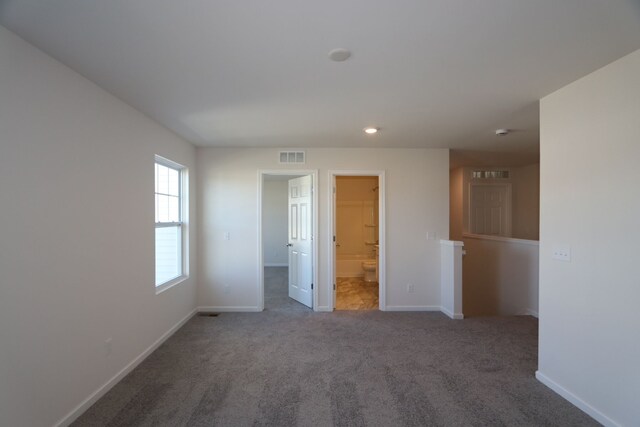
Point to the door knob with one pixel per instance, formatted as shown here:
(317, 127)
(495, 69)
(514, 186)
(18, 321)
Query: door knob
(289, 244)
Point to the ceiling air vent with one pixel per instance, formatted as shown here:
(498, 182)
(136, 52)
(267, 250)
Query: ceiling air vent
(292, 157)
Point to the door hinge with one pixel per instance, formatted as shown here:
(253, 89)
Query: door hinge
(334, 286)
(334, 238)
(334, 190)
(312, 286)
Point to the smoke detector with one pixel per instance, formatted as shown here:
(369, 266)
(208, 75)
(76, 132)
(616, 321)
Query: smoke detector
(502, 132)
(339, 55)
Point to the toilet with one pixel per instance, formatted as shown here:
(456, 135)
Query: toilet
(369, 268)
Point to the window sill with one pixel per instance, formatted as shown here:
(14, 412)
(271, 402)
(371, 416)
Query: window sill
(170, 284)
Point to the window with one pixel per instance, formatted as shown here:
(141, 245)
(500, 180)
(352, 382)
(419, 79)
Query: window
(170, 215)
(490, 174)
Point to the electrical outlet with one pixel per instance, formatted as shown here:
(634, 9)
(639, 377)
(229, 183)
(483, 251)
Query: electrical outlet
(410, 288)
(226, 289)
(227, 235)
(562, 253)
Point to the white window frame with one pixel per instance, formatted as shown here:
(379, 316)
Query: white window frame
(181, 224)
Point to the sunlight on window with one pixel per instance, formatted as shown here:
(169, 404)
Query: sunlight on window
(169, 221)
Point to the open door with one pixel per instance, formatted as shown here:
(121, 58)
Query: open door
(300, 228)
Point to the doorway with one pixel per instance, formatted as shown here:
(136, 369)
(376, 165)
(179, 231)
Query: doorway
(287, 249)
(357, 261)
(490, 209)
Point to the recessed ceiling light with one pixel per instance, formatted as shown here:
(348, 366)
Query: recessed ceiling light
(371, 130)
(339, 55)
(502, 132)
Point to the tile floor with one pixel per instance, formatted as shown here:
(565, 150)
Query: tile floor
(353, 293)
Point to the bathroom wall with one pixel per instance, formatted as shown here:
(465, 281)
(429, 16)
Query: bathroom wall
(274, 221)
(356, 216)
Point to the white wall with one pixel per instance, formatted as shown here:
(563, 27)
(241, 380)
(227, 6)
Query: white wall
(456, 182)
(417, 202)
(589, 318)
(500, 276)
(451, 278)
(526, 202)
(274, 218)
(77, 243)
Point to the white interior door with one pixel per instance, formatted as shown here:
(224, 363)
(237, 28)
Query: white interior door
(300, 229)
(491, 209)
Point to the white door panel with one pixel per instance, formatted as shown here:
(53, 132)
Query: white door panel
(491, 209)
(300, 237)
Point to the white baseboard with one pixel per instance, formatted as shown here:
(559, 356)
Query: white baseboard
(455, 316)
(324, 308)
(228, 309)
(276, 264)
(581, 404)
(412, 308)
(102, 390)
(532, 313)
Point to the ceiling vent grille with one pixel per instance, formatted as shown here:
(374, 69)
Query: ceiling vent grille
(296, 157)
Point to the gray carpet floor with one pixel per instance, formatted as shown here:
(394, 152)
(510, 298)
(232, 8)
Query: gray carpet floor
(276, 291)
(290, 366)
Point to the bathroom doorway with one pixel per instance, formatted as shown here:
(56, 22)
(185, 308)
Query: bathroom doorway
(357, 244)
(287, 248)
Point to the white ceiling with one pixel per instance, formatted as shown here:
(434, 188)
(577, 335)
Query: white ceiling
(429, 73)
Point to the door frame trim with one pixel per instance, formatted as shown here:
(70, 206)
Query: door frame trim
(382, 250)
(314, 225)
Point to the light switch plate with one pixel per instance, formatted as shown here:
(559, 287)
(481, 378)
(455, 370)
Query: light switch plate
(562, 253)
